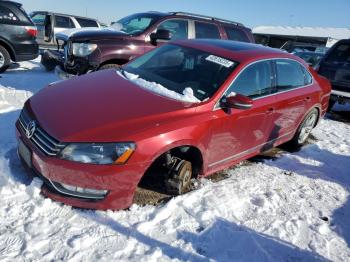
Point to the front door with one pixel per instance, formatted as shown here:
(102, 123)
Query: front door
(238, 133)
(178, 28)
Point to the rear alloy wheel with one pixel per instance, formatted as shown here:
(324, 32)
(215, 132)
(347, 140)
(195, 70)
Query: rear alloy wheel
(305, 129)
(5, 59)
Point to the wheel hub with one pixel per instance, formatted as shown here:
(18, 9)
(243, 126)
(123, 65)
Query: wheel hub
(307, 128)
(179, 180)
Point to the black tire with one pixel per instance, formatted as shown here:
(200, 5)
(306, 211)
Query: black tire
(48, 62)
(5, 59)
(300, 136)
(109, 66)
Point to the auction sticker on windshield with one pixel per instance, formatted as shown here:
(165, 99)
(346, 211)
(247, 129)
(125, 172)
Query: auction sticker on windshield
(219, 60)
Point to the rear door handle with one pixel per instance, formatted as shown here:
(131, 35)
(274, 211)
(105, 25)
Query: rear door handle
(307, 99)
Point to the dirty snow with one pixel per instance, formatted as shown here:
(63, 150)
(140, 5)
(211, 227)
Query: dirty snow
(295, 208)
(187, 95)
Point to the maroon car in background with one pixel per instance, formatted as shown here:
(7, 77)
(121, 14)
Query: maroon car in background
(90, 50)
(186, 109)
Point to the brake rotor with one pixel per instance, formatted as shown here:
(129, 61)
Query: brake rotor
(180, 178)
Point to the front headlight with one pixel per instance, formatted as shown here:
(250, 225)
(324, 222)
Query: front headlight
(98, 153)
(83, 49)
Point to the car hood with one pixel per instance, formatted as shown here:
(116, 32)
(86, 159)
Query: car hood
(89, 33)
(101, 107)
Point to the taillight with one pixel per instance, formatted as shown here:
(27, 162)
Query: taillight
(31, 30)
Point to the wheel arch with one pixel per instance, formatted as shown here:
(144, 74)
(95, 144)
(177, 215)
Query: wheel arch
(9, 48)
(195, 153)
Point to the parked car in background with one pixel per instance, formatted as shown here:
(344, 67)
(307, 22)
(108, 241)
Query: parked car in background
(335, 66)
(49, 23)
(312, 58)
(136, 34)
(186, 109)
(17, 35)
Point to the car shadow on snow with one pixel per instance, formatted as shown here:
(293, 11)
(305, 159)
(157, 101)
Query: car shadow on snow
(227, 241)
(167, 249)
(317, 163)
(222, 241)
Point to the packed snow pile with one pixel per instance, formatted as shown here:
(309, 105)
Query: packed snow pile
(293, 208)
(186, 96)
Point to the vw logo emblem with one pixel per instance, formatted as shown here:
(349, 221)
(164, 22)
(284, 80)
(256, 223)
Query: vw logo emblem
(30, 129)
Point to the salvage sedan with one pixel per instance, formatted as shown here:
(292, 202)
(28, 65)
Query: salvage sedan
(184, 110)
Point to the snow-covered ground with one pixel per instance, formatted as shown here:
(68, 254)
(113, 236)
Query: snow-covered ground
(294, 208)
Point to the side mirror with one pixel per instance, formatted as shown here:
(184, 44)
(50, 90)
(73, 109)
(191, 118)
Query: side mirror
(161, 34)
(237, 101)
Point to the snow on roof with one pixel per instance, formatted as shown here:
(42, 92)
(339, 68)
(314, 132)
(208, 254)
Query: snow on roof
(328, 32)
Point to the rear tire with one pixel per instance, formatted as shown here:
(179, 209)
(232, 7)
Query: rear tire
(109, 66)
(304, 129)
(5, 59)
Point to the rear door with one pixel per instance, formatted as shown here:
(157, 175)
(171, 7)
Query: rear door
(295, 95)
(206, 30)
(62, 23)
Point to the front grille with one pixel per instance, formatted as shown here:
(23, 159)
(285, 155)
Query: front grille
(46, 143)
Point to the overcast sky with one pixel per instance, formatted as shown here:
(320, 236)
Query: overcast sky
(324, 13)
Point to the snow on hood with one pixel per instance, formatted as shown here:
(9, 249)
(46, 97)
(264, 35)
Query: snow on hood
(186, 96)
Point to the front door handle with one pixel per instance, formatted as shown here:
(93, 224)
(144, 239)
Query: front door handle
(270, 110)
(307, 99)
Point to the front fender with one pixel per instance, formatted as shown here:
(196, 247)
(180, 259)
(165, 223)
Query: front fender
(150, 149)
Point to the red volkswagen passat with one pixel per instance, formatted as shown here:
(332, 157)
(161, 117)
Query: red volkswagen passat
(185, 109)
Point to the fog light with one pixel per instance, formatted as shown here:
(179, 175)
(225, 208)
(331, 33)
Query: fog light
(84, 190)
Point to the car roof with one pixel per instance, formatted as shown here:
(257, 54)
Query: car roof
(76, 16)
(10, 2)
(236, 51)
(343, 41)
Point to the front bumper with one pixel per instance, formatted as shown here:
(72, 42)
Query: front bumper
(120, 181)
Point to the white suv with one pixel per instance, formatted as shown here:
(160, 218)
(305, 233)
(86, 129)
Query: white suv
(49, 24)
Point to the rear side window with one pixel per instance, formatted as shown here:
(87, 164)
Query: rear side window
(341, 53)
(178, 28)
(254, 81)
(236, 34)
(86, 22)
(63, 22)
(38, 19)
(307, 76)
(206, 30)
(7, 16)
(290, 74)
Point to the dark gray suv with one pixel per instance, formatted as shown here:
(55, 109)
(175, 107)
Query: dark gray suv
(335, 66)
(17, 35)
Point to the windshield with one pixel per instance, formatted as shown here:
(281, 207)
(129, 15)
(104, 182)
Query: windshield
(135, 24)
(193, 75)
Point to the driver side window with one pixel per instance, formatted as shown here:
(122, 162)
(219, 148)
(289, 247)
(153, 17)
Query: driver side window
(254, 81)
(178, 28)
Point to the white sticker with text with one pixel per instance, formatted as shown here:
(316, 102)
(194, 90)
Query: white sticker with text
(219, 60)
